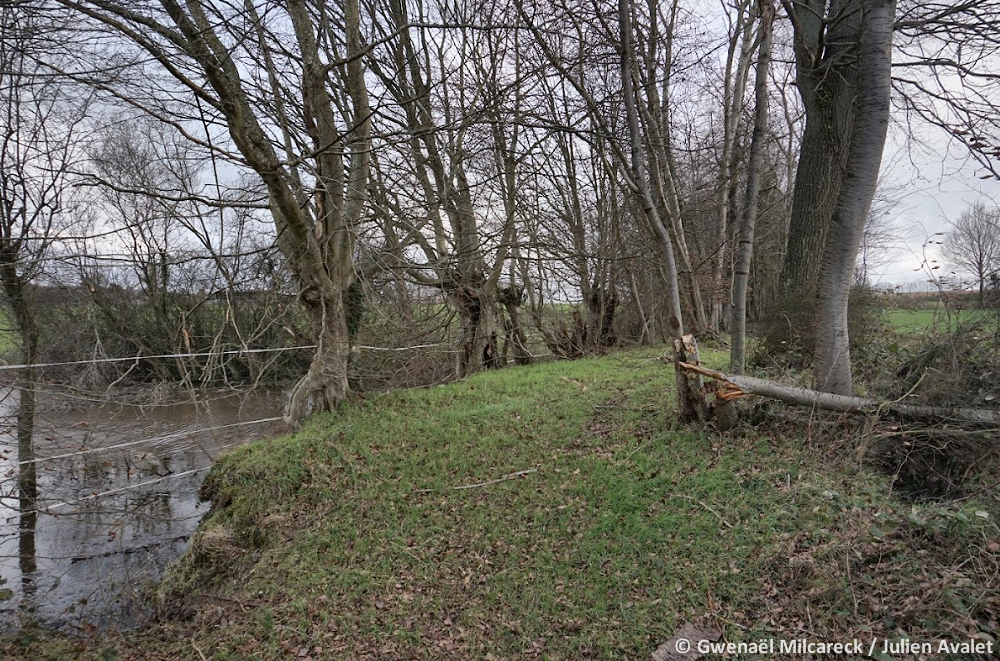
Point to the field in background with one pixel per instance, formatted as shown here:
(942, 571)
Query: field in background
(919, 321)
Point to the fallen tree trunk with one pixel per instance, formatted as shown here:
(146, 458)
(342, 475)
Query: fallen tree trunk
(732, 386)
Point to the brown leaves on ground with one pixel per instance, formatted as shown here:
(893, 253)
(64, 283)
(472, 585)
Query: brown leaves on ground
(684, 645)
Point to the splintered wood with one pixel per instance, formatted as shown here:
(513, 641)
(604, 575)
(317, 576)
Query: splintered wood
(736, 385)
(694, 405)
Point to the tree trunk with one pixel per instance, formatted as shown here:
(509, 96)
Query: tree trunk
(826, 40)
(833, 359)
(659, 170)
(737, 385)
(741, 276)
(27, 484)
(325, 385)
(512, 297)
(315, 225)
(601, 306)
(17, 296)
(478, 314)
(687, 400)
(817, 181)
(734, 85)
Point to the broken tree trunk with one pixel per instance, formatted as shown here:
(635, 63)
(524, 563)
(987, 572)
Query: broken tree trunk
(693, 404)
(732, 386)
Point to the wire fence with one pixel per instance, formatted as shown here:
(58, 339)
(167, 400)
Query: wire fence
(130, 487)
(99, 511)
(204, 354)
(151, 442)
(102, 521)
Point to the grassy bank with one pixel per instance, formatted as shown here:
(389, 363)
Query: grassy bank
(552, 512)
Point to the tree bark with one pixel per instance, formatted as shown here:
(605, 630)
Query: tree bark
(737, 385)
(833, 359)
(826, 40)
(741, 275)
(512, 297)
(478, 314)
(325, 385)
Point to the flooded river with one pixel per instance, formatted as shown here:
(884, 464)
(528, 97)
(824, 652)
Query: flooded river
(117, 500)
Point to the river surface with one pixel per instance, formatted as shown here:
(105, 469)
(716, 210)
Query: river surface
(118, 500)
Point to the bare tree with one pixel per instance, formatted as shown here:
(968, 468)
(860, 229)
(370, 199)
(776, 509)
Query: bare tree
(973, 245)
(741, 274)
(187, 273)
(40, 148)
(444, 97)
(286, 82)
(945, 73)
(128, 160)
(639, 141)
(578, 223)
(935, 45)
(739, 54)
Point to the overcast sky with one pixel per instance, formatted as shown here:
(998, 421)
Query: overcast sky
(934, 182)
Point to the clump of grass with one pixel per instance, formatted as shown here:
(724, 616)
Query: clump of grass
(863, 566)
(954, 364)
(955, 368)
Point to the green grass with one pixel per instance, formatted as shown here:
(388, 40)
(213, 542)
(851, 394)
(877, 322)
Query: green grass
(9, 340)
(910, 322)
(389, 531)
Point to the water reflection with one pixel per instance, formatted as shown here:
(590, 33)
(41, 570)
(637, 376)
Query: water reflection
(27, 555)
(116, 500)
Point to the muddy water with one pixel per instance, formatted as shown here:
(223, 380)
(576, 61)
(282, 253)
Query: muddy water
(118, 499)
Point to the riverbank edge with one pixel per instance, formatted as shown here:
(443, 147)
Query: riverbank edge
(552, 511)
